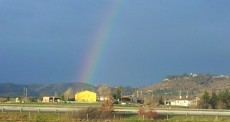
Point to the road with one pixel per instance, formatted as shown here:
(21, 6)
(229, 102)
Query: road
(125, 110)
(182, 111)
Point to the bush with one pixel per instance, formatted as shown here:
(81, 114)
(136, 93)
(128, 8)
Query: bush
(149, 114)
(92, 113)
(107, 105)
(104, 112)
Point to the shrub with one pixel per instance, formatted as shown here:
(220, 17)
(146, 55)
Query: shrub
(92, 113)
(103, 112)
(149, 113)
(107, 105)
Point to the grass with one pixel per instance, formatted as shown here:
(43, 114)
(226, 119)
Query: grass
(179, 119)
(70, 117)
(27, 117)
(199, 119)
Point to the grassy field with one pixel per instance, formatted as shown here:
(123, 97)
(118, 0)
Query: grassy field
(71, 117)
(74, 117)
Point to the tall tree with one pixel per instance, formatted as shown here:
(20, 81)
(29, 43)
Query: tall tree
(223, 99)
(69, 93)
(214, 100)
(104, 91)
(118, 92)
(161, 101)
(62, 97)
(205, 100)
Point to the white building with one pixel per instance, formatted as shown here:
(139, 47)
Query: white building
(48, 99)
(183, 102)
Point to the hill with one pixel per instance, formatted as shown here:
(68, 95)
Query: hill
(38, 90)
(192, 84)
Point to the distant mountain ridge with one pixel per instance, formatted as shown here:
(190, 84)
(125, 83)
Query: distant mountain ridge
(192, 83)
(39, 90)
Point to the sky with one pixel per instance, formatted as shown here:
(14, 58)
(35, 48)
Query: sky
(114, 42)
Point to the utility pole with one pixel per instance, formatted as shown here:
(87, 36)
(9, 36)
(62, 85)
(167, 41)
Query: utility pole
(187, 95)
(25, 92)
(121, 95)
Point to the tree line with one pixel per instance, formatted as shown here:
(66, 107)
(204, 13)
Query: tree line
(215, 100)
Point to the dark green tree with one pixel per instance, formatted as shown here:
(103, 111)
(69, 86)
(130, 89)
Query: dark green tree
(205, 100)
(223, 99)
(118, 92)
(214, 100)
(161, 101)
(8, 98)
(62, 97)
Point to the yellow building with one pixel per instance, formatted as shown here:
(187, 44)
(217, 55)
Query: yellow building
(85, 96)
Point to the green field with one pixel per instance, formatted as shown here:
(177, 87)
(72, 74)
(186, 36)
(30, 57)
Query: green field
(71, 117)
(74, 116)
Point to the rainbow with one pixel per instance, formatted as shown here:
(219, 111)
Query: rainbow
(100, 39)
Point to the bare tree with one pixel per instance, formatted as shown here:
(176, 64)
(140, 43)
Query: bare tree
(104, 91)
(69, 93)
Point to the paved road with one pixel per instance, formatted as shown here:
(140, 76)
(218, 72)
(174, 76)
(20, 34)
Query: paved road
(126, 110)
(183, 112)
